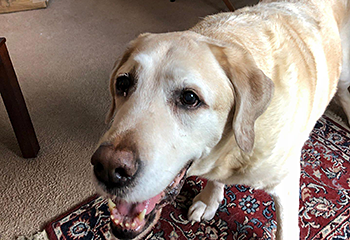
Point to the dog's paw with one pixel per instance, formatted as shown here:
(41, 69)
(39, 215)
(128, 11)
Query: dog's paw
(206, 203)
(200, 211)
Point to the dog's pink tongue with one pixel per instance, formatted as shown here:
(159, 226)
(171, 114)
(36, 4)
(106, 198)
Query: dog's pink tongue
(131, 216)
(133, 209)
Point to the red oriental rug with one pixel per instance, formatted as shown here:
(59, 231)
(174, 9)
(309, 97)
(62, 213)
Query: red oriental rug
(245, 213)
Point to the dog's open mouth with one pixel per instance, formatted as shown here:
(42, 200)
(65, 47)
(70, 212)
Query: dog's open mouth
(132, 220)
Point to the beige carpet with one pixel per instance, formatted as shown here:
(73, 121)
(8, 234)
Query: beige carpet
(63, 56)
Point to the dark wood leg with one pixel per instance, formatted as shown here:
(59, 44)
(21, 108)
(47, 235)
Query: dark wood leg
(229, 5)
(15, 105)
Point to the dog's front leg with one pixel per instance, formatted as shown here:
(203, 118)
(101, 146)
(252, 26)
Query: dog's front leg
(206, 203)
(286, 197)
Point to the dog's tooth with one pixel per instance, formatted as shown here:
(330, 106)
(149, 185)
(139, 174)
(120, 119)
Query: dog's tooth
(111, 204)
(116, 221)
(127, 225)
(142, 215)
(121, 224)
(133, 225)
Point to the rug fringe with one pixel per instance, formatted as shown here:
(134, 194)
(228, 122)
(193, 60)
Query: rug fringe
(38, 236)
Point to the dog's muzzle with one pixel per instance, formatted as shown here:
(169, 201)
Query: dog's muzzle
(116, 170)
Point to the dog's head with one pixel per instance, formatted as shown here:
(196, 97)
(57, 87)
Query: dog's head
(174, 96)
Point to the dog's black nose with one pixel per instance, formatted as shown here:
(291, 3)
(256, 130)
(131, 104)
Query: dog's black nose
(114, 167)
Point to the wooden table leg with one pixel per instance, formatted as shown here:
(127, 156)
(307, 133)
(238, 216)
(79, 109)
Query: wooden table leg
(15, 105)
(229, 5)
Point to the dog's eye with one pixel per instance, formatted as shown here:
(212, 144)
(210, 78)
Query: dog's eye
(123, 84)
(189, 99)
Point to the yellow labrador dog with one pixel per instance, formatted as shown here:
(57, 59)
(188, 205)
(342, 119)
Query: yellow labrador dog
(232, 100)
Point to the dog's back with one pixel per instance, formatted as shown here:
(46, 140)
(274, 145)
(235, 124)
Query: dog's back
(280, 34)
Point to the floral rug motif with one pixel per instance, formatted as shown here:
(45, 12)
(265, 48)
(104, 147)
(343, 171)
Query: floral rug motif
(245, 213)
(325, 183)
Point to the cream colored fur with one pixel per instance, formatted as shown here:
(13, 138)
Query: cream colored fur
(266, 74)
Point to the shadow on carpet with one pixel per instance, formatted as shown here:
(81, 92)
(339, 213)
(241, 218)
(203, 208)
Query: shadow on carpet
(245, 213)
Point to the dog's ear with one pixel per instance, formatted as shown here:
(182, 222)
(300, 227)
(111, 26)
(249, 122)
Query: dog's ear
(253, 91)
